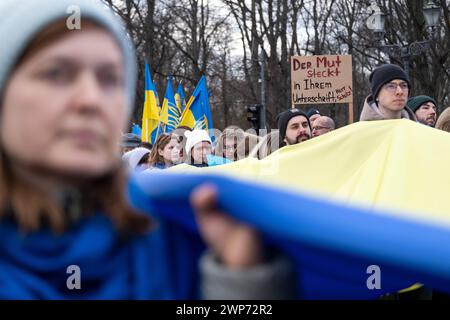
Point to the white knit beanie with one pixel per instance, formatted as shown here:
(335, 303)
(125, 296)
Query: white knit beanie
(194, 137)
(21, 20)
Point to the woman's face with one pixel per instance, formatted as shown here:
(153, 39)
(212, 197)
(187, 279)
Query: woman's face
(64, 107)
(200, 151)
(167, 152)
(229, 147)
(177, 153)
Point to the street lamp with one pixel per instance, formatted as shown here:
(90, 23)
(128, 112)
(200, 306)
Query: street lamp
(376, 21)
(432, 15)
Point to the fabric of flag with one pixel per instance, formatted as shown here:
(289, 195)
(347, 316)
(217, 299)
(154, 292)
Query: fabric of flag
(197, 114)
(216, 160)
(170, 113)
(180, 100)
(368, 194)
(150, 114)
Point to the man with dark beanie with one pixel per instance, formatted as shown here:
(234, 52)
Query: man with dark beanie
(424, 108)
(294, 127)
(313, 114)
(390, 90)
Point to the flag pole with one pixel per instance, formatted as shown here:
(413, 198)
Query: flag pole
(159, 124)
(350, 113)
(157, 131)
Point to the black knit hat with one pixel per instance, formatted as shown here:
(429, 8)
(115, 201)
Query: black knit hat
(312, 111)
(416, 102)
(283, 119)
(384, 74)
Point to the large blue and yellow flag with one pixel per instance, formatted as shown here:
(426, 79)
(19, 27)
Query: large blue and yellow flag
(150, 114)
(170, 113)
(362, 211)
(180, 100)
(197, 114)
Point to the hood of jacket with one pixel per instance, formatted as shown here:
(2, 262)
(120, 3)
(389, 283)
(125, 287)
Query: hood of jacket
(371, 112)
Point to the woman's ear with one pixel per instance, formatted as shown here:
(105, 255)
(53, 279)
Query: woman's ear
(161, 152)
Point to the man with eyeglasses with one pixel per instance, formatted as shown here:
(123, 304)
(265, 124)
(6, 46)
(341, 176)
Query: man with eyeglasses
(322, 125)
(390, 91)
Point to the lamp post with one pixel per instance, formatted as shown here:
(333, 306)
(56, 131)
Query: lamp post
(432, 15)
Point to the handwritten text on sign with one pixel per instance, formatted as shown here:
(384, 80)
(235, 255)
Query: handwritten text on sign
(321, 79)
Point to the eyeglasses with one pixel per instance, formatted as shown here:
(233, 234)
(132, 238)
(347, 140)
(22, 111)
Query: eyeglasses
(392, 87)
(230, 147)
(319, 128)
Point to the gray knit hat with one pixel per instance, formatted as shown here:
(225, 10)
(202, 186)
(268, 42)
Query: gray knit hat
(21, 20)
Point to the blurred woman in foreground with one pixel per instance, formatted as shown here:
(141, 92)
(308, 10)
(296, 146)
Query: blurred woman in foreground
(65, 99)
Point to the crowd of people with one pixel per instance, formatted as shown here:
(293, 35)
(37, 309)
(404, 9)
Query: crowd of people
(193, 147)
(389, 99)
(66, 96)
